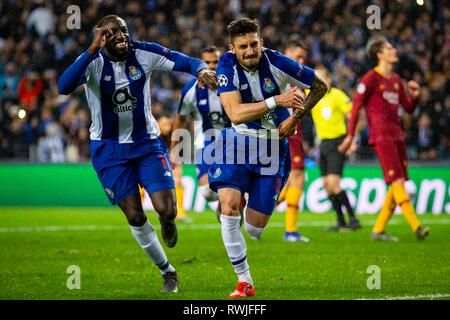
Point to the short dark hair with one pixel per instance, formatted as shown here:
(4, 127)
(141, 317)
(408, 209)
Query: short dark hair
(106, 19)
(243, 26)
(297, 43)
(209, 49)
(374, 46)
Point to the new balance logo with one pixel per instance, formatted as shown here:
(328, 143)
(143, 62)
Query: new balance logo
(107, 78)
(244, 86)
(167, 174)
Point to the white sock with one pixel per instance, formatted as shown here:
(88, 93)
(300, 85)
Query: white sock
(148, 240)
(253, 232)
(207, 193)
(235, 245)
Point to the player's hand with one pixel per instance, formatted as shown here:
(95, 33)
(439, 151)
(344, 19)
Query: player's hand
(207, 78)
(346, 144)
(414, 89)
(352, 149)
(99, 39)
(292, 99)
(288, 127)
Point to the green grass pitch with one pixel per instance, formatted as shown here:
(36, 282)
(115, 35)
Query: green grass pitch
(37, 245)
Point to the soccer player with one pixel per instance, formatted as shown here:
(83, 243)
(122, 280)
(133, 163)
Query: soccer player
(203, 105)
(329, 118)
(381, 91)
(125, 144)
(250, 80)
(292, 191)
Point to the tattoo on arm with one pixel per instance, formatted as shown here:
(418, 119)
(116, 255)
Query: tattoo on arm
(317, 91)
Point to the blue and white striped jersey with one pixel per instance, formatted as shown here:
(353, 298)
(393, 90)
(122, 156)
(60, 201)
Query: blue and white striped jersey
(118, 93)
(205, 108)
(273, 76)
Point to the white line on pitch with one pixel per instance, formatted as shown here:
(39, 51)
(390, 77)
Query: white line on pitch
(420, 296)
(192, 226)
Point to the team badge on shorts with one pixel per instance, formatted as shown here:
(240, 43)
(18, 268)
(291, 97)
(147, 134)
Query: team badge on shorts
(269, 86)
(134, 73)
(109, 193)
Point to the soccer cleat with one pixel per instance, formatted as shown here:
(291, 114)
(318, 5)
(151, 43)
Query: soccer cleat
(354, 224)
(422, 232)
(383, 236)
(169, 232)
(170, 282)
(243, 289)
(294, 237)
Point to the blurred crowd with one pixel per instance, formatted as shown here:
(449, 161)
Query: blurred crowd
(38, 125)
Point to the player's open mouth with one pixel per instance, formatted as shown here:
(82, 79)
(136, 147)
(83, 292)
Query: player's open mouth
(122, 45)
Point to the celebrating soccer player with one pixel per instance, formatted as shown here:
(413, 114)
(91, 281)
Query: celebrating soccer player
(381, 91)
(329, 119)
(250, 81)
(125, 144)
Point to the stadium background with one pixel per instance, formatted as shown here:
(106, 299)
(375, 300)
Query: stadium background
(36, 46)
(44, 138)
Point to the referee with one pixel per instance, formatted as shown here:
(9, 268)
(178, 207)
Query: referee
(329, 118)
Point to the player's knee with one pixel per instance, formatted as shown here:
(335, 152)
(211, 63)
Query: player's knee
(207, 193)
(136, 219)
(166, 210)
(229, 208)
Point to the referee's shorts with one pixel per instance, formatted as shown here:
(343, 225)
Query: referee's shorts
(331, 160)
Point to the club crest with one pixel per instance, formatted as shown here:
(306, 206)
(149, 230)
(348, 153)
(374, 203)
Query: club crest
(134, 72)
(269, 86)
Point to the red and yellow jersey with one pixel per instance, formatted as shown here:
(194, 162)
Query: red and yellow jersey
(382, 97)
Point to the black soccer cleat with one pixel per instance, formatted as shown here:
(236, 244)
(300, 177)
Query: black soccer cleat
(169, 232)
(354, 224)
(170, 282)
(422, 232)
(339, 228)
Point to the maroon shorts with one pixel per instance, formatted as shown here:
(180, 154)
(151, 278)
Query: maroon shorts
(296, 149)
(393, 160)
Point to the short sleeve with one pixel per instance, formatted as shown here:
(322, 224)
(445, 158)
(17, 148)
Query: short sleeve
(291, 71)
(225, 75)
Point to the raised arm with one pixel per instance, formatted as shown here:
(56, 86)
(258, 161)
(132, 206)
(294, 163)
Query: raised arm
(170, 60)
(75, 73)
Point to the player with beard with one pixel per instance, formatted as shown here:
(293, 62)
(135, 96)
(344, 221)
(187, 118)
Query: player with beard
(251, 81)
